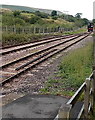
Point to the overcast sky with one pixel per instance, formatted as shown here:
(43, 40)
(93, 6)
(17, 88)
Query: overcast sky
(65, 6)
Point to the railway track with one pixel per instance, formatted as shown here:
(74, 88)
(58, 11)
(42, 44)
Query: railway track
(19, 66)
(43, 39)
(29, 47)
(5, 50)
(38, 52)
(26, 52)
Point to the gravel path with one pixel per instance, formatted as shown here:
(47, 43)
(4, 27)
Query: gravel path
(36, 77)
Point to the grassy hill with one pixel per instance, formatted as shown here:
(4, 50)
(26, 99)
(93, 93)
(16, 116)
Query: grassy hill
(30, 9)
(35, 18)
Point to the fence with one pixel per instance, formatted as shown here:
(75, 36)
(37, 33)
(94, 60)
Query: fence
(88, 89)
(34, 30)
(88, 106)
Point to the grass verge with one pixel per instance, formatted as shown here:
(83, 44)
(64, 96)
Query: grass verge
(73, 70)
(9, 39)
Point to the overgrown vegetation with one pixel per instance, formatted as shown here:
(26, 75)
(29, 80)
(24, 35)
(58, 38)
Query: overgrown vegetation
(73, 70)
(24, 18)
(16, 39)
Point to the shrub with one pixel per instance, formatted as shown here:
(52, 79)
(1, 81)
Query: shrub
(34, 19)
(41, 14)
(54, 17)
(16, 13)
(54, 13)
(18, 21)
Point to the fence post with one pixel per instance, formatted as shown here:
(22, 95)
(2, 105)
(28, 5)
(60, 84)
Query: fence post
(86, 98)
(64, 112)
(39, 30)
(93, 80)
(23, 30)
(47, 29)
(6, 28)
(43, 31)
(34, 30)
(93, 91)
(14, 29)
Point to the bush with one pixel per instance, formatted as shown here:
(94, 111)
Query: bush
(16, 13)
(41, 14)
(10, 21)
(15, 39)
(6, 20)
(54, 17)
(54, 13)
(34, 19)
(18, 21)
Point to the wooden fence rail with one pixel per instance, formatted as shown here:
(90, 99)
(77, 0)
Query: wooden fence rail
(39, 30)
(88, 103)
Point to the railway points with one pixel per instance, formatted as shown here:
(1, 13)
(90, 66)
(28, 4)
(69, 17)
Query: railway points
(54, 111)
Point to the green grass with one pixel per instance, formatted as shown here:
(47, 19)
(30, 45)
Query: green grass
(15, 39)
(73, 70)
(81, 30)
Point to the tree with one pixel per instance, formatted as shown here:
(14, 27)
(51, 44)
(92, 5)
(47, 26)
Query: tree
(16, 13)
(86, 21)
(78, 15)
(54, 13)
(35, 19)
(69, 18)
(41, 14)
(93, 21)
(19, 21)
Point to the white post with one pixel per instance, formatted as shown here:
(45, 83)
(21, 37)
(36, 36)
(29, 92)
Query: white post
(14, 29)
(39, 31)
(34, 30)
(43, 30)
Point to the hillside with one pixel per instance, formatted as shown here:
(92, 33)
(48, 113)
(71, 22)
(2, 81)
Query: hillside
(30, 9)
(16, 24)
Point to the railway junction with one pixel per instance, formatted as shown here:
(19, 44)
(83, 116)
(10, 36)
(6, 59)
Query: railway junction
(18, 64)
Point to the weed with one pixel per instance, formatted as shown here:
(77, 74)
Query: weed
(73, 70)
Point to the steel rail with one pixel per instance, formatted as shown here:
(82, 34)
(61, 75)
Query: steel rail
(35, 44)
(35, 64)
(51, 37)
(36, 53)
(41, 56)
(10, 46)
